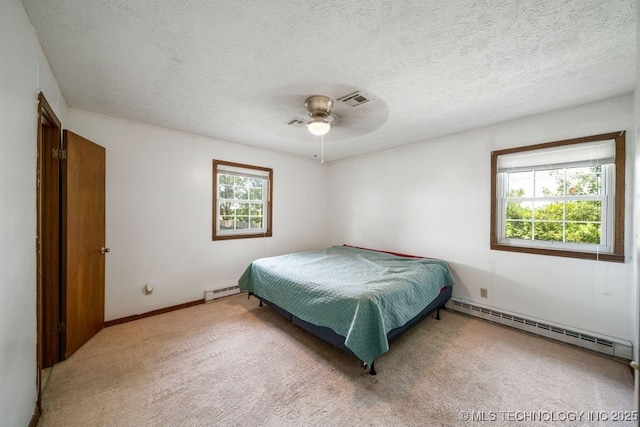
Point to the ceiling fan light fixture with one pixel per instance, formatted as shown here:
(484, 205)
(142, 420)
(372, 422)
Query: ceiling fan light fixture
(319, 127)
(319, 110)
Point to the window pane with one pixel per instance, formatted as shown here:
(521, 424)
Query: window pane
(549, 231)
(584, 210)
(519, 210)
(518, 230)
(226, 223)
(226, 209)
(240, 181)
(256, 222)
(226, 192)
(241, 193)
(242, 209)
(578, 232)
(255, 209)
(549, 183)
(548, 211)
(584, 181)
(255, 193)
(226, 179)
(520, 184)
(255, 183)
(242, 223)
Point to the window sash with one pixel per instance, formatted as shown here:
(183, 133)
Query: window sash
(262, 202)
(606, 198)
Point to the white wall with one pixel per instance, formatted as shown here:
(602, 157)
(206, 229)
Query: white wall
(159, 212)
(23, 73)
(433, 199)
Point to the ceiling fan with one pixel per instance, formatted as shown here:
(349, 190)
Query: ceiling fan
(320, 117)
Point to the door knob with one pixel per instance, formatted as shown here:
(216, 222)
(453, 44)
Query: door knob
(104, 250)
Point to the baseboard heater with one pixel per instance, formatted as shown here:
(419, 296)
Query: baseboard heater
(610, 347)
(214, 294)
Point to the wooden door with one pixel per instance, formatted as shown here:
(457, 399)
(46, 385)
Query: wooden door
(83, 241)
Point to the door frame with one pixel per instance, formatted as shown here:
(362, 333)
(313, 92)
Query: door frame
(49, 134)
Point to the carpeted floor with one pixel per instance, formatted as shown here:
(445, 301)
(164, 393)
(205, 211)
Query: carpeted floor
(232, 363)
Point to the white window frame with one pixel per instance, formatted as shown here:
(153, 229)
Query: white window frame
(221, 168)
(607, 193)
(607, 151)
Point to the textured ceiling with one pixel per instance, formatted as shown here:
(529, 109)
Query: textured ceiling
(238, 69)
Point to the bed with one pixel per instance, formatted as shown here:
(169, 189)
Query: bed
(356, 299)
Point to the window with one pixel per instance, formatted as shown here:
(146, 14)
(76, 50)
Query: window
(563, 198)
(242, 201)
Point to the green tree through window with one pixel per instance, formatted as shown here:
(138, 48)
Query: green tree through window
(575, 221)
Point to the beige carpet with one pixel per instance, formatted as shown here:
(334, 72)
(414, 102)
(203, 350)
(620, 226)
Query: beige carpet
(232, 363)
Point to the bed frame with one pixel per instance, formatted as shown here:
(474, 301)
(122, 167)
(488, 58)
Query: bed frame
(327, 334)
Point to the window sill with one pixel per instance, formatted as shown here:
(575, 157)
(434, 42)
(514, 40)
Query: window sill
(241, 236)
(560, 253)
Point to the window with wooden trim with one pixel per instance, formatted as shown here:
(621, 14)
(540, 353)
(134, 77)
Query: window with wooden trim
(242, 201)
(563, 198)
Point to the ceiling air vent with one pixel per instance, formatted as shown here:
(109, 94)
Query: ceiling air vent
(296, 121)
(354, 99)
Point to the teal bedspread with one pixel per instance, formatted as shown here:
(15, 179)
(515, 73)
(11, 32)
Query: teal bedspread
(359, 294)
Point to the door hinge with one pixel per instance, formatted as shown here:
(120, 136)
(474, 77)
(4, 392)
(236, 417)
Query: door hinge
(59, 154)
(59, 328)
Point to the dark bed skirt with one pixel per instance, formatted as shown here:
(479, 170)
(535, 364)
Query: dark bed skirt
(337, 340)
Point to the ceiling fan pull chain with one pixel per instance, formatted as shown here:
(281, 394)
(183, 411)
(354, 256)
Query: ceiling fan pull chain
(321, 148)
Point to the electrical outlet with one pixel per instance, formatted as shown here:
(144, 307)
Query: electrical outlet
(483, 293)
